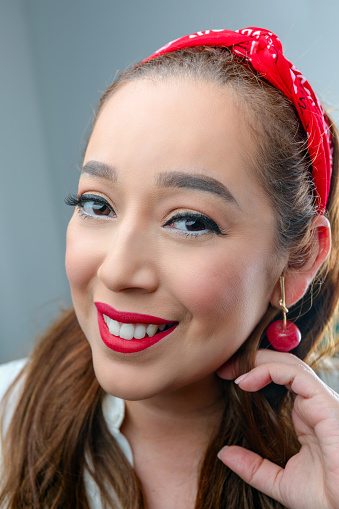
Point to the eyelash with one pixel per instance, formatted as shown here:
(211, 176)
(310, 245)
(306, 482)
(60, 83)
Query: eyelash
(210, 225)
(80, 202)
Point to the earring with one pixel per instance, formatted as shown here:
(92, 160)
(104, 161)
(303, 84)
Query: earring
(282, 334)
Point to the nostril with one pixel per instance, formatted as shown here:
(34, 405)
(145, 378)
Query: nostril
(118, 275)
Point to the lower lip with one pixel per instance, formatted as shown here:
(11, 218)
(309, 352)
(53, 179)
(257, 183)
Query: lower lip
(128, 345)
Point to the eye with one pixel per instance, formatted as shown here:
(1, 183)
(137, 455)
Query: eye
(193, 224)
(91, 205)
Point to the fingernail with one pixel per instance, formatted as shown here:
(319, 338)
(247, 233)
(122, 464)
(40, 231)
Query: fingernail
(221, 450)
(241, 377)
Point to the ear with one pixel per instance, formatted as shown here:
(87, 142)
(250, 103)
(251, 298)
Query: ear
(298, 280)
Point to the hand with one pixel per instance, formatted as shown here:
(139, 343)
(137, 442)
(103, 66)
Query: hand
(310, 479)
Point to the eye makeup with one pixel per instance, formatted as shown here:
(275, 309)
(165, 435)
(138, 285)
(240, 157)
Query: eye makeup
(193, 224)
(91, 205)
(190, 224)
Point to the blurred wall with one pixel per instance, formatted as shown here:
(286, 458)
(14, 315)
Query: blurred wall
(56, 57)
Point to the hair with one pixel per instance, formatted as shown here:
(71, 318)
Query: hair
(58, 431)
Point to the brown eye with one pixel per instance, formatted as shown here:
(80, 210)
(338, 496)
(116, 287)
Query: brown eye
(96, 209)
(95, 206)
(193, 224)
(188, 225)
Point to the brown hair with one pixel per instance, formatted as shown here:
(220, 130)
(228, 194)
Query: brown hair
(58, 430)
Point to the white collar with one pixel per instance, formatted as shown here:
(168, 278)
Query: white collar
(113, 410)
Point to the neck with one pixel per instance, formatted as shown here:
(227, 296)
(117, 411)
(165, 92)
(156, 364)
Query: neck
(191, 411)
(169, 435)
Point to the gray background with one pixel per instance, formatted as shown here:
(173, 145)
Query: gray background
(56, 57)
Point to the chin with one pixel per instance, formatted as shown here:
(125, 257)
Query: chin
(128, 392)
(123, 390)
(125, 381)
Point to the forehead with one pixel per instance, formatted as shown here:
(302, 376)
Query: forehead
(176, 125)
(198, 118)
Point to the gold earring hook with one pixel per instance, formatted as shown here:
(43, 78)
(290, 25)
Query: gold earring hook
(282, 302)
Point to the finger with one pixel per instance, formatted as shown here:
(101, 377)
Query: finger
(297, 377)
(264, 356)
(231, 370)
(259, 473)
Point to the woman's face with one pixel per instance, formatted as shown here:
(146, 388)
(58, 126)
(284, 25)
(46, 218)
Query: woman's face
(172, 223)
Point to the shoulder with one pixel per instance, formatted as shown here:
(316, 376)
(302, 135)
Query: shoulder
(329, 373)
(8, 373)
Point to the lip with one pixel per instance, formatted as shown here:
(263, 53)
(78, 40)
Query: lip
(133, 345)
(120, 316)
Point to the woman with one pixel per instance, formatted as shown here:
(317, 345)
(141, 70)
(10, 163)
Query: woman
(205, 205)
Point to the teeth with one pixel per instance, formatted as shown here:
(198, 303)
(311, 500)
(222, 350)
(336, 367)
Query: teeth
(113, 326)
(140, 331)
(129, 331)
(151, 330)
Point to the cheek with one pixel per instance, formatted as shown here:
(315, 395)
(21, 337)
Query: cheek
(82, 258)
(219, 287)
(206, 291)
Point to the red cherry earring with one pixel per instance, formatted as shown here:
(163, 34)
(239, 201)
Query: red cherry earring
(282, 334)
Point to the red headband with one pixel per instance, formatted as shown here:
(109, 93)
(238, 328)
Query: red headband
(264, 51)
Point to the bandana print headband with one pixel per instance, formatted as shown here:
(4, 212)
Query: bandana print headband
(264, 51)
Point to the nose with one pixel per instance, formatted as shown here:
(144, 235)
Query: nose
(129, 260)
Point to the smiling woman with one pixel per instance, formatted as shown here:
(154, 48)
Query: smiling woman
(204, 205)
(169, 221)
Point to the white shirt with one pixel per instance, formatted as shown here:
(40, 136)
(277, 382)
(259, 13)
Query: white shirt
(113, 410)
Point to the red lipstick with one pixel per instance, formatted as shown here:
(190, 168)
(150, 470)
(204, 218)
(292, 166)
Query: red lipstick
(133, 345)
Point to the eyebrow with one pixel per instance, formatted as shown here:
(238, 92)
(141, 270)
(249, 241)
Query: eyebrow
(171, 179)
(200, 182)
(100, 170)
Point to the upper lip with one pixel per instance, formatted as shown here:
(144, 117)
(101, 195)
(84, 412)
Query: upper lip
(127, 317)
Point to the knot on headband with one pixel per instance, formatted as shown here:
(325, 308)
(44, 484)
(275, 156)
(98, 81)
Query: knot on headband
(263, 50)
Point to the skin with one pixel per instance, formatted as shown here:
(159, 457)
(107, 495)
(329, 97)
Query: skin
(310, 479)
(134, 263)
(138, 259)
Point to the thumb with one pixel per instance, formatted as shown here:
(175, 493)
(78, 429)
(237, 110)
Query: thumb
(259, 473)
